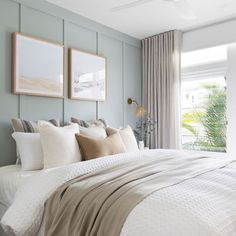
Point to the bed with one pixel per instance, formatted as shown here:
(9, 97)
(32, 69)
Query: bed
(11, 177)
(200, 199)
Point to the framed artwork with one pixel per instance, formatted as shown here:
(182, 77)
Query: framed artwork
(87, 76)
(38, 67)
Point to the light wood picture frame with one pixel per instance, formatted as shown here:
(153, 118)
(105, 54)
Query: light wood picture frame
(87, 76)
(38, 66)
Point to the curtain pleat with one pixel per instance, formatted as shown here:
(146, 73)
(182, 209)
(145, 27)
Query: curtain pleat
(161, 87)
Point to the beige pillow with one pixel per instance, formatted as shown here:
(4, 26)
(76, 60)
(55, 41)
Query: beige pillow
(127, 136)
(59, 144)
(92, 148)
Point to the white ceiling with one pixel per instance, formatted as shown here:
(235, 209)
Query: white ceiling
(150, 18)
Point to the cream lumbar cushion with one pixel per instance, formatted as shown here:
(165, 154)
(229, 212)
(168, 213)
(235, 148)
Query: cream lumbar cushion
(92, 148)
(30, 150)
(59, 144)
(127, 136)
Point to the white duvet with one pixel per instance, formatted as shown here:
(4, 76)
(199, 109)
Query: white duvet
(11, 177)
(201, 206)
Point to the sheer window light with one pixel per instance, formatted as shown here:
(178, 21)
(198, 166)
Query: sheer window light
(204, 56)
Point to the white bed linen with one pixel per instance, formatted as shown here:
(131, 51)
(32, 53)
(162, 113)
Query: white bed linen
(11, 178)
(205, 205)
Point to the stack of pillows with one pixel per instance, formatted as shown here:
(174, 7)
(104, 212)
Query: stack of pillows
(47, 145)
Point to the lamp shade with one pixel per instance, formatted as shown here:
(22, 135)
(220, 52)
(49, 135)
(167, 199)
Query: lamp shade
(140, 111)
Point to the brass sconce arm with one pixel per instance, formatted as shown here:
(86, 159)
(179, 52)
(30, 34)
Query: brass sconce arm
(140, 110)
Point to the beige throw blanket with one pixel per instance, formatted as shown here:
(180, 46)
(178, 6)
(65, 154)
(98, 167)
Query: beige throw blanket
(98, 203)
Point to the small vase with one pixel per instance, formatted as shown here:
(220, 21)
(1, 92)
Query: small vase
(141, 145)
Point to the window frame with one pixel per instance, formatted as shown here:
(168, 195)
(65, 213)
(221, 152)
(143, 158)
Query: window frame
(204, 71)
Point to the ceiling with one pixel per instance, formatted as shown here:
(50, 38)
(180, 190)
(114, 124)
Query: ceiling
(152, 17)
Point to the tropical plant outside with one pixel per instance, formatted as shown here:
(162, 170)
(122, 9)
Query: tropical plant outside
(206, 121)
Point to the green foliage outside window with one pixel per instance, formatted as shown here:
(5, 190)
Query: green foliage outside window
(211, 118)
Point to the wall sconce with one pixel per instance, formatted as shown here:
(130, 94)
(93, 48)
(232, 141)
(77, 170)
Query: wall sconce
(140, 110)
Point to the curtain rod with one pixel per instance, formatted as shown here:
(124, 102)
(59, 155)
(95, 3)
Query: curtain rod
(159, 34)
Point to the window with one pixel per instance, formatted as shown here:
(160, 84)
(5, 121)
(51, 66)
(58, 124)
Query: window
(203, 102)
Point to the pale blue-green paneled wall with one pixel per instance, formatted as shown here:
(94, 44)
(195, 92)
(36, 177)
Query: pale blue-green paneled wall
(44, 20)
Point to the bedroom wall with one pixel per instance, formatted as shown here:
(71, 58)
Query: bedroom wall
(44, 20)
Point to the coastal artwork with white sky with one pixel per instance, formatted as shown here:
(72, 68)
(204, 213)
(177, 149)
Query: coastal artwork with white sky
(87, 76)
(38, 67)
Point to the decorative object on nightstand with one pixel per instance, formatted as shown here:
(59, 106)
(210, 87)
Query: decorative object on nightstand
(144, 128)
(141, 145)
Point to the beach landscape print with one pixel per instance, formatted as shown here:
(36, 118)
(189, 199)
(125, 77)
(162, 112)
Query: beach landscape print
(38, 67)
(87, 76)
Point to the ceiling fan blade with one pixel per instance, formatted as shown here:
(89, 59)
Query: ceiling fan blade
(130, 5)
(185, 10)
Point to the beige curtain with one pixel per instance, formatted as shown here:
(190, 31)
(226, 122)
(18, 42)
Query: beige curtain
(161, 87)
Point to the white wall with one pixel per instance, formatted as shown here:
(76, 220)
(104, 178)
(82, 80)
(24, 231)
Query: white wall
(215, 35)
(218, 34)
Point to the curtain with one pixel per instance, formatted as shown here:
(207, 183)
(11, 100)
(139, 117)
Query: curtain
(161, 87)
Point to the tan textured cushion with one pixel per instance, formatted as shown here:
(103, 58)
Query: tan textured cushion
(92, 148)
(127, 136)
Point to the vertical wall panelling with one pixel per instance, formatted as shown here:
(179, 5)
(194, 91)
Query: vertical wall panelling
(112, 108)
(9, 18)
(83, 39)
(97, 52)
(132, 81)
(47, 21)
(19, 27)
(123, 80)
(50, 28)
(65, 72)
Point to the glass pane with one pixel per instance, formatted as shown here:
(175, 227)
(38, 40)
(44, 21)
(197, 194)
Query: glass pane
(204, 114)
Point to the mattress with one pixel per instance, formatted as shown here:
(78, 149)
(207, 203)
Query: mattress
(11, 178)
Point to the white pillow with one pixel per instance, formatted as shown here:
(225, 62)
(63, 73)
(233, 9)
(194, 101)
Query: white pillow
(127, 136)
(59, 144)
(30, 150)
(93, 131)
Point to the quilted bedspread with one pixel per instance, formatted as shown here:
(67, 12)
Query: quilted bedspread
(204, 204)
